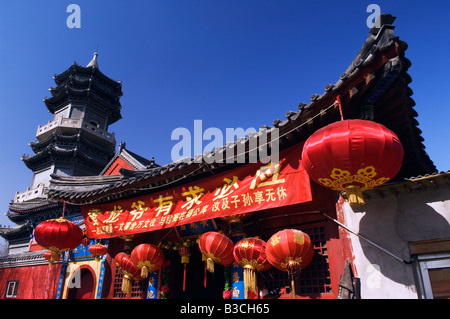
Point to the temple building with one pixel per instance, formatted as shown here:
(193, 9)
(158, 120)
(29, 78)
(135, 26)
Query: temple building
(394, 244)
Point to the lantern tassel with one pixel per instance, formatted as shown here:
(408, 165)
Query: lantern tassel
(249, 281)
(144, 272)
(184, 278)
(205, 276)
(291, 274)
(126, 285)
(210, 265)
(355, 195)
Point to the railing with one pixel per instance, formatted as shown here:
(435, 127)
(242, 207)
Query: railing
(30, 193)
(68, 123)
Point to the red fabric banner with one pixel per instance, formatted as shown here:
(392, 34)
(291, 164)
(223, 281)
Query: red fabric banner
(251, 187)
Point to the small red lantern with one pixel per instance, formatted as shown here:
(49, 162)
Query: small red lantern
(86, 242)
(98, 250)
(250, 254)
(185, 253)
(130, 272)
(352, 156)
(148, 258)
(119, 257)
(290, 250)
(58, 235)
(52, 257)
(217, 248)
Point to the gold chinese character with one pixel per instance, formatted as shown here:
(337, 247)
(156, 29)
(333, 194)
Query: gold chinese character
(192, 195)
(281, 192)
(226, 189)
(235, 200)
(164, 204)
(247, 199)
(93, 213)
(138, 210)
(270, 195)
(259, 197)
(264, 173)
(114, 215)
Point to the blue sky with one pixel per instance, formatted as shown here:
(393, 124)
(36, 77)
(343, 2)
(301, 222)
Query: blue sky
(233, 63)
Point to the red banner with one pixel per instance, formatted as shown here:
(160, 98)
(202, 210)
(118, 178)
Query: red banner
(249, 188)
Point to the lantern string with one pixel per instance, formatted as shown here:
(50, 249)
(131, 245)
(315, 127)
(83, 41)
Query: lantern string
(338, 100)
(64, 208)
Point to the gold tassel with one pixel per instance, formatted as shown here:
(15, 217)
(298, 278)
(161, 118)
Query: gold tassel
(210, 265)
(144, 272)
(250, 283)
(126, 285)
(355, 196)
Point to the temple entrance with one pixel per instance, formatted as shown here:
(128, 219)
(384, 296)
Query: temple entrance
(195, 276)
(82, 285)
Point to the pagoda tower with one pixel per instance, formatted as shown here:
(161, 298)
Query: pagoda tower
(76, 141)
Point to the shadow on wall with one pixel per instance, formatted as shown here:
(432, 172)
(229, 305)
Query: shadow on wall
(392, 222)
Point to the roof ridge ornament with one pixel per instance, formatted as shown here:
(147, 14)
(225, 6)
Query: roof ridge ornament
(93, 62)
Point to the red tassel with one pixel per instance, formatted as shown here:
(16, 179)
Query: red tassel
(206, 275)
(184, 278)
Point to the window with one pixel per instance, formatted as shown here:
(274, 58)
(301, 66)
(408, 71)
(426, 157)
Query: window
(11, 289)
(433, 276)
(432, 265)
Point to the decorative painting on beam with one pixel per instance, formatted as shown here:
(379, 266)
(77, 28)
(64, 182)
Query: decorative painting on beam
(248, 188)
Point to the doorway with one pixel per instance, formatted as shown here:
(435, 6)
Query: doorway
(81, 285)
(195, 278)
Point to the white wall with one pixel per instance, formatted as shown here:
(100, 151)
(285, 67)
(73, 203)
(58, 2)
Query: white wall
(392, 222)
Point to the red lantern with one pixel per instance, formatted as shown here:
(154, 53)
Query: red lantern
(119, 257)
(185, 253)
(250, 254)
(217, 248)
(52, 257)
(290, 250)
(130, 272)
(58, 235)
(98, 250)
(86, 242)
(352, 156)
(148, 258)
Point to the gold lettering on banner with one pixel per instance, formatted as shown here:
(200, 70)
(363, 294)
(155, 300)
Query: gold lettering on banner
(192, 196)
(93, 213)
(113, 215)
(226, 189)
(164, 205)
(266, 171)
(138, 210)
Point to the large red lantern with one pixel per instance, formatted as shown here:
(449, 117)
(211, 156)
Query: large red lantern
(98, 250)
(130, 272)
(290, 250)
(148, 258)
(352, 156)
(250, 254)
(217, 248)
(58, 235)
